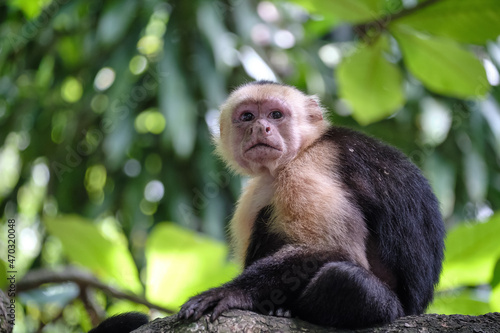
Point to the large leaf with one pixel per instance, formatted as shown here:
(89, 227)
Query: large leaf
(467, 21)
(353, 11)
(182, 264)
(471, 253)
(371, 84)
(84, 244)
(441, 64)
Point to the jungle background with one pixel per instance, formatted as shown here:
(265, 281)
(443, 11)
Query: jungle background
(107, 109)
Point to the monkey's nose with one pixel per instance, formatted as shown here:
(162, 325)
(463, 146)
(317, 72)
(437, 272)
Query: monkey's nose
(264, 127)
(259, 129)
(265, 130)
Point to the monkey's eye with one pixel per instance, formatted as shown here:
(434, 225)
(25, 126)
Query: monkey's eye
(247, 116)
(276, 114)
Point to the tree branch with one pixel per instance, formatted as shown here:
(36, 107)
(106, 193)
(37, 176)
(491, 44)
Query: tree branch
(370, 29)
(409, 11)
(245, 321)
(35, 278)
(5, 326)
(95, 312)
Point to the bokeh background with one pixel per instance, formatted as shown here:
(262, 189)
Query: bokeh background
(107, 110)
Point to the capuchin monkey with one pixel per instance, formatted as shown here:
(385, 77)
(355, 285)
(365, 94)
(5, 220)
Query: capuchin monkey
(333, 227)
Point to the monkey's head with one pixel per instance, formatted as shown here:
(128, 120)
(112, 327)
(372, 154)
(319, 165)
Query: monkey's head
(264, 125)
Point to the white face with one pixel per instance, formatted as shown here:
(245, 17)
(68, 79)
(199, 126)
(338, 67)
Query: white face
(262, 134)
(265, 126)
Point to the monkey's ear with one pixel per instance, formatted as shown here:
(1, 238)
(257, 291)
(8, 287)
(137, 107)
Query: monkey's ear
(314, 109)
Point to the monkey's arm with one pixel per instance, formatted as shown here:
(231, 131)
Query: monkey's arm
(319, 287)
(267, 286)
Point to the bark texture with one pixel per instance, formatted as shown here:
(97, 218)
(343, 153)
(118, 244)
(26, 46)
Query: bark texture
(248, 322)
(5, 327)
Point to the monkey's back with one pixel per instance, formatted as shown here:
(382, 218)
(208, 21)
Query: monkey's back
(406, 231)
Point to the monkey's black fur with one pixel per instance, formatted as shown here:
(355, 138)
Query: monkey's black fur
(122, 323)
(401, 212)
(263, 243)
(404, 249)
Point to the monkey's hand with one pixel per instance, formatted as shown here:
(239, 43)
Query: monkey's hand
(217, 300)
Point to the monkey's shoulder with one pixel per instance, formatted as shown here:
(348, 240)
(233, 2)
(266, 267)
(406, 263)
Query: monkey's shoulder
(373, 172)
(360, 155)
(356, 144)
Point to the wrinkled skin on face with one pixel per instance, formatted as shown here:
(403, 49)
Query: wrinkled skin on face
(263, 130)
(265, 126)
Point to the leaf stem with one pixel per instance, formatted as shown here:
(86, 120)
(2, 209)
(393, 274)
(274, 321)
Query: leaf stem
(371, 30)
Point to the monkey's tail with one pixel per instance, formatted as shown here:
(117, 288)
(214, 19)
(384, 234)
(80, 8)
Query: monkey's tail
(122, 323)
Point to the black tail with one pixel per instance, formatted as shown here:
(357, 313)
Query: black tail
(122, 323)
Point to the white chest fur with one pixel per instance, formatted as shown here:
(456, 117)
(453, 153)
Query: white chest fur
(257, 194)
(310, 207)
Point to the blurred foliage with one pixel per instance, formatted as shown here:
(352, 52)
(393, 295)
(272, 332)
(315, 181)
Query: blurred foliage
(107, 109)
(108, 256)
(173, 255)
(472, 259)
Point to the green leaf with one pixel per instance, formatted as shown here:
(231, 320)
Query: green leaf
(353, 11)
(182, 264)
(122, 306)
(464, 302)
(370, 83)
(471, 253)
(466, 21)
(495, 280)
(31, 9)
(495, 299)
(45, 73)
(441, 64)
(3, 274)
(84, 244)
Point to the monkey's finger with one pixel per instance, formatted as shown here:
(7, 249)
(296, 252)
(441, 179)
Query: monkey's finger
(198, 305)
(199, 311)
(281, 312)
(188, 309)
(192, 314)
(185, 313)
(222, 306)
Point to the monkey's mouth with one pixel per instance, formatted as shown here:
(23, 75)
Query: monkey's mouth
(261, 145)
